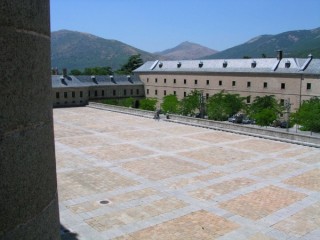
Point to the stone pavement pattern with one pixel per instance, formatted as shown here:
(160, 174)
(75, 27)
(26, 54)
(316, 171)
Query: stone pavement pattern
(163, 180)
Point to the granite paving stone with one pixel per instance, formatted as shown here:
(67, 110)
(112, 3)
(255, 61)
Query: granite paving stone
(165, 180)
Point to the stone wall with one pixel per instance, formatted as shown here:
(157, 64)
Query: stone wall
(251, 130)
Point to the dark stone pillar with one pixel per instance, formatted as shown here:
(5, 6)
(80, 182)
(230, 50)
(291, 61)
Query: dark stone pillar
(28, 186)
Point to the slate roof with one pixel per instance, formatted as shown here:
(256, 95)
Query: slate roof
(259, 65)
(58, 81)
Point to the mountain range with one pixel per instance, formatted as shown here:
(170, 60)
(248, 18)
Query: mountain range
(76, 50)
(298, 43)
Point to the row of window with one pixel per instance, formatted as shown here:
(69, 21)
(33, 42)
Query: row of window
(95, 93)
(248, 99)
(265, 84)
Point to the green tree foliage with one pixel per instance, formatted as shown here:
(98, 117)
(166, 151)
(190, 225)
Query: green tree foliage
(124, 102)
(98, 71)
(265, 117)
(93, 71)
(308, 115)
(148, 104)
(265, 110)
(75, 72)
(222, 105)
(190, 104)
(170, 104)
(133, 63)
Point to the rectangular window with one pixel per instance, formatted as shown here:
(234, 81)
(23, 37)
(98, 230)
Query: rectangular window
(147, 80)
(220, 83)
(233, 83)
(283, 86)
(174, 81)
(165, 80)
(185, 81)
(207, 96)
(208, 82)
(147, 91)
(102, 92)
(57, 95)
(137, 91)
(156, 80)
(174, 93)
(164, 92)
(265, 85)
(65, 95)
(282, 102)
(81, 94)
(73, 94)
(184, 94)
(89, 93)
(248, 99)
(95, 93)
(124, 92)
(308, 86)
(131, 92)
(156, 92)
(248, 84)
(196, 82)
(114, 92)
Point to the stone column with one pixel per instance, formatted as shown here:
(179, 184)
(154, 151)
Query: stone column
(28, 185)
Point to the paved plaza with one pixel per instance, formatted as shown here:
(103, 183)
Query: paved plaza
(126, 177)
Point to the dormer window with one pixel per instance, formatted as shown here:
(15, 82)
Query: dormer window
(253, 64)
(200, 64)
(287, 64)
(179, 64)
(160, 65)
(225, 64)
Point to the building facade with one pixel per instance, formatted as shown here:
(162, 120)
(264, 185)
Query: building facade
(288, 79)
(78, 90)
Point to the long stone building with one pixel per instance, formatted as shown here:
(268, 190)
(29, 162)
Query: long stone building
(293, 79)
(78, 90)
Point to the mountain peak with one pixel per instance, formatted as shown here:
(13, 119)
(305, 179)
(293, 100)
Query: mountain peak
(187, 51)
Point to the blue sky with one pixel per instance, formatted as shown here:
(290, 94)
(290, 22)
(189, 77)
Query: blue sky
(158, 25)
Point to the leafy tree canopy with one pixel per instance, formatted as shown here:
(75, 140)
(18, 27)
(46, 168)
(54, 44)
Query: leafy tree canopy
(222, 105)
(191, 103)
(133, 63)
(265, 110)
(308, 115)
(93, 71)
(148, 104)
(170, 104)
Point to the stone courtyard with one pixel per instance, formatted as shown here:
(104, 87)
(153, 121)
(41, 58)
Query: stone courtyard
(128, 177)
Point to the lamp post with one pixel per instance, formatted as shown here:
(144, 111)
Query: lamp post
(300, 96)
(201, 100)
(287, 105)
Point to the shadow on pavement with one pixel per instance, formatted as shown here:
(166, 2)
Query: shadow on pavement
(66, 234)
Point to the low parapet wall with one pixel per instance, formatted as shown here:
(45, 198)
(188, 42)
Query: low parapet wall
(250, 130)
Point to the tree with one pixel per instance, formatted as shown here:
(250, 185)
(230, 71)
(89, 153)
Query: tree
(190, 104)
(222, 105)
(148, 104)
(308, 115)
(75, 72)
(170, 104)
(98, 71)
(265, 110)
(133, 63)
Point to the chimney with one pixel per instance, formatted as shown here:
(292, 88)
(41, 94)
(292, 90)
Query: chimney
(65, 72)
(279, 56)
